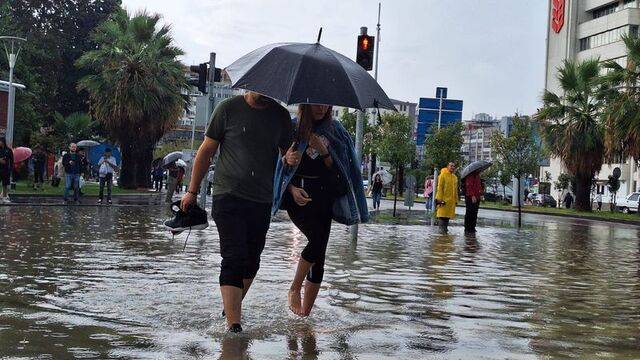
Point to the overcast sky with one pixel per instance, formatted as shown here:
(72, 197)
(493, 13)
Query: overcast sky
(489, 53)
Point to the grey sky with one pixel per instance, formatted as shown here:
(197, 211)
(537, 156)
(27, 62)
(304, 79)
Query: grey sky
(489, 53)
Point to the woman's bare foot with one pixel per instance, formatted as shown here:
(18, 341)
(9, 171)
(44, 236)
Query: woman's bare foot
(310, 294)
(295, 302)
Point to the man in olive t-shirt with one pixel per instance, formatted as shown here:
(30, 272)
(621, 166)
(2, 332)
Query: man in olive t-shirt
(251, 131)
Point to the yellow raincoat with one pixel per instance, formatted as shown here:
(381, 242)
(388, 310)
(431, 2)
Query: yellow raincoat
(448, 192)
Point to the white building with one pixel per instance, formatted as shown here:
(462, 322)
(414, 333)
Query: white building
(477, 135)
(583, 29)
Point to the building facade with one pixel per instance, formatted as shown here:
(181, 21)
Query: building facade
(477, 135)
(585, 29)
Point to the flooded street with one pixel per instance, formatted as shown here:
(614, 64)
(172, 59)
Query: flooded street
(100, 282)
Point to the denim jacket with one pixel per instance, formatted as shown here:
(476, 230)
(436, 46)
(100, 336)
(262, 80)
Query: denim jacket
(349, 209)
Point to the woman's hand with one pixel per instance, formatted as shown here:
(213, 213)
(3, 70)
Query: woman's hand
(292, 157)
(316, 142)
(300, 196)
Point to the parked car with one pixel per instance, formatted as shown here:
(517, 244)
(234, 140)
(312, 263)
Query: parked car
(629, 204)
(544, 200)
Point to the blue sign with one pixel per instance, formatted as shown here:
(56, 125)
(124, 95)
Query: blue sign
(432, 109)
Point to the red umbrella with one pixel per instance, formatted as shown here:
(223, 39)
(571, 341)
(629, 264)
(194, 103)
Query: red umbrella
(21, 154)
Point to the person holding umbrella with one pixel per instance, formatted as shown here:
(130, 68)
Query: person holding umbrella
(6, 164)
(107, 167)
(324, 175)
(251, 131)
(472, 194)
(173, 172)
(446, 196)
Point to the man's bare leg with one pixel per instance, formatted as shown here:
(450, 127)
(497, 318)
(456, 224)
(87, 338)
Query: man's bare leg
(296, 286)
(310, 294)
(232, 301)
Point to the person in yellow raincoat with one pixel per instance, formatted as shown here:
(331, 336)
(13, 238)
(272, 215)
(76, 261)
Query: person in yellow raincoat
(446, 196)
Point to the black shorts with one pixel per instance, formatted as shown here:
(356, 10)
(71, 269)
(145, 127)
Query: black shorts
(242, 227)
(4, 177)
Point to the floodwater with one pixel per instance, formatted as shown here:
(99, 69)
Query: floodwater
(89, 282)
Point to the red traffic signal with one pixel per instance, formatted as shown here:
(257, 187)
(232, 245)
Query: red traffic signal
(364, 55)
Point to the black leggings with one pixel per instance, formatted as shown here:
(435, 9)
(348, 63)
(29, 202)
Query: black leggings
(314, 220)
(242, 227)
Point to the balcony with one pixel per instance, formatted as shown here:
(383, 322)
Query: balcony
(612, 21)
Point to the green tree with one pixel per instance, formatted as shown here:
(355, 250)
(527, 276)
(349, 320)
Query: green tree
(622, 135)
(444, 145)
(572, 124)
(349, 119)
(519, 153)
(57, 34)
(395, 145)
(134, 87)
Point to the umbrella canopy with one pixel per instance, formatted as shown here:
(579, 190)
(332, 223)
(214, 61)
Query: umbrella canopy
(87, 143)
(181, 163)
(21, 154)
(385, 176)
(479, 165)
(299, 73)
(171, 157)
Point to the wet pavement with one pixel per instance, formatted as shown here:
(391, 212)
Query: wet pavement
(109, 282)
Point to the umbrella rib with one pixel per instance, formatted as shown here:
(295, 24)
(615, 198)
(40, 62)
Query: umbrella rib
(350, 81)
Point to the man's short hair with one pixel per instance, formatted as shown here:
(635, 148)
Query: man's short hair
(107, 150)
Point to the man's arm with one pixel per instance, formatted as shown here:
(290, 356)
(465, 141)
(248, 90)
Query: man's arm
(200, 168)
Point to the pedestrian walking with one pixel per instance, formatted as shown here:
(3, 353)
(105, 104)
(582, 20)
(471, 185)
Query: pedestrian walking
(328, 171)
(107, 167)
(376, 191)
(172, 181)
(472, 195)
(599, 201)
(39, 166)
(251, 131)
(6, 166)
(158, 177)
(446, 196)
(568, 200)
(428, 192)
(71, 162)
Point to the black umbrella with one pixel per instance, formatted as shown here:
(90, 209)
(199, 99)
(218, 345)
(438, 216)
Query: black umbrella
(298, 73)
(480, 165)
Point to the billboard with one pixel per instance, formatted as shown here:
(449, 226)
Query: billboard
(431, 109)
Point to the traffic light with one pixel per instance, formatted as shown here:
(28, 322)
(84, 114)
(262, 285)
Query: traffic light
(364, 56)
(202, 70)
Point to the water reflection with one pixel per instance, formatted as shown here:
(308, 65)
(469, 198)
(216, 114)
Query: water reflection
(111, 283)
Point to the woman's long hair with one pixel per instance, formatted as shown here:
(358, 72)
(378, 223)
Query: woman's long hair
(306, 120)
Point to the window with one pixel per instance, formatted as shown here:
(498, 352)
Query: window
(606, 37)
(634, 197)
(628, 4)
(605, 10)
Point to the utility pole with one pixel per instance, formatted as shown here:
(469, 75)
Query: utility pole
(12, 47)
(435, 169)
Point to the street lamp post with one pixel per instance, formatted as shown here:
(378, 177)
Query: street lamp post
(12, 47)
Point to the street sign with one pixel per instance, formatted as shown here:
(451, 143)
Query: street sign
(430, 110)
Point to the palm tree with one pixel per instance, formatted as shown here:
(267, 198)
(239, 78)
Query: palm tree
(622, 133)
(134, 87)
(573, 127)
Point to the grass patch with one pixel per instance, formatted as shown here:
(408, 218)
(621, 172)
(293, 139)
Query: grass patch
(604, 215)
(24, 188)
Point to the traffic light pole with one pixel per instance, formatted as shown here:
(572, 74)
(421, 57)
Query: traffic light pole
(359, 138)
(375, 76)
(204, 185)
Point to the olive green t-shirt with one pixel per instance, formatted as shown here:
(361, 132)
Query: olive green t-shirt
(249, 147)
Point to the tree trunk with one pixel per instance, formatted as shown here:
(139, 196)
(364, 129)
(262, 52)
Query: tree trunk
(395, 194)
(519, 204)
(136, 165)
(401, 180)
(583, 192)
(128, 167)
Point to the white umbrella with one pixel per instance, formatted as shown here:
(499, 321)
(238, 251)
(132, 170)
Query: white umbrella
(171, 157)
(181, 163)
(385, 176)
(480, 165)
(87, 143)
